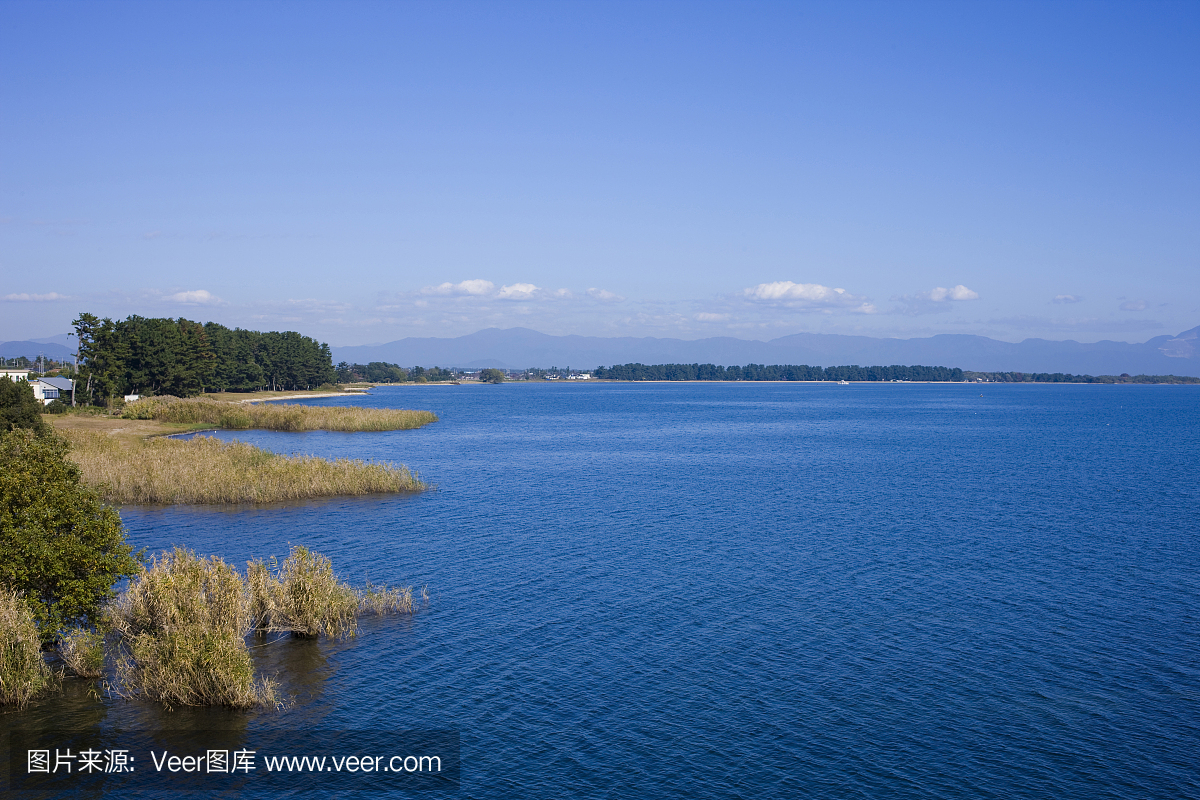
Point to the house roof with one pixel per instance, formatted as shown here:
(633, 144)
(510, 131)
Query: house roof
(62, 384)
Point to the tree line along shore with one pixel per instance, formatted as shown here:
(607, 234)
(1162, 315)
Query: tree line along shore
(855, 374)
(140, 355)
(173, 361)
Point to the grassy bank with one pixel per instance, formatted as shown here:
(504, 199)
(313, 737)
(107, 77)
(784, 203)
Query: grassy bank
(124, 430)
(205, 470)
(275, 417)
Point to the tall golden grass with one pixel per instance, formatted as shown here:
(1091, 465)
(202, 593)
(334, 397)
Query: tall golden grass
(302, 596)
(205, 470)
(183, 623)
(276, 416)
(23, 673)
(180, 629)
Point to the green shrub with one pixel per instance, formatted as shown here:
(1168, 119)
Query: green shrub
(23, 672)
(19, 407)
(60, 547)
(56, 406)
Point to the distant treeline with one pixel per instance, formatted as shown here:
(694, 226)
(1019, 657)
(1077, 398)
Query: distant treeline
(1062, 377)
(140, 355)
(382, 372)
(803, 372)
(775, 372)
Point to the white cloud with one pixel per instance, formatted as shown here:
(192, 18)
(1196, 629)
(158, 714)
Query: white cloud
(195, 297)
(518, 291)
(935, 301)
(960, 292)
(786, 290)
(1066, 298)
(604, 296)
(812, 296)
(473, 288)
(1133, 305)
(705, 316)
(24, 297)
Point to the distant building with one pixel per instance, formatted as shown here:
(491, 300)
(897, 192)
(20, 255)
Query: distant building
(48, 389)
(15, 374)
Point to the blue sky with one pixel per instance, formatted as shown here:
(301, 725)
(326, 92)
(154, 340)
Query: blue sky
(362, 172)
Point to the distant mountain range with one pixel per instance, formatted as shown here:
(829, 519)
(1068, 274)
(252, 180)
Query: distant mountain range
(518, 348)
(56, 347)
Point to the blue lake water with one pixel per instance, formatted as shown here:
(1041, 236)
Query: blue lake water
(755, 590)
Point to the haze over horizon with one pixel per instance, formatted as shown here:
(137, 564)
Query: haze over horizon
(366, 172)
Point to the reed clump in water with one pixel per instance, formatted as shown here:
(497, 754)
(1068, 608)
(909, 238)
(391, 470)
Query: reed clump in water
(23, 672)
(276, 416)
(180, 629)
(382, 600)
(183, 623)
(205, 470)
(82, 651)
(303, 597)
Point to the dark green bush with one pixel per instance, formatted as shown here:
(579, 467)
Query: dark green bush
(19, 408)
(60, 547)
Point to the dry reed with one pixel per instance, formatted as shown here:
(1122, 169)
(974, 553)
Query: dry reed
(182, 625)
(23, 672)
(205, 470)
(276, 416)
(382, 600)
(303, 597)
(183, 621)
(83, 652)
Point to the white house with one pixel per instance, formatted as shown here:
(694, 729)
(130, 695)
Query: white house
(47, 389)
(15, 374)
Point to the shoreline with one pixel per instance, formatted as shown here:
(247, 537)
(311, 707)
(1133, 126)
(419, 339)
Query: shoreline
(594, 381)
(347, 393)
